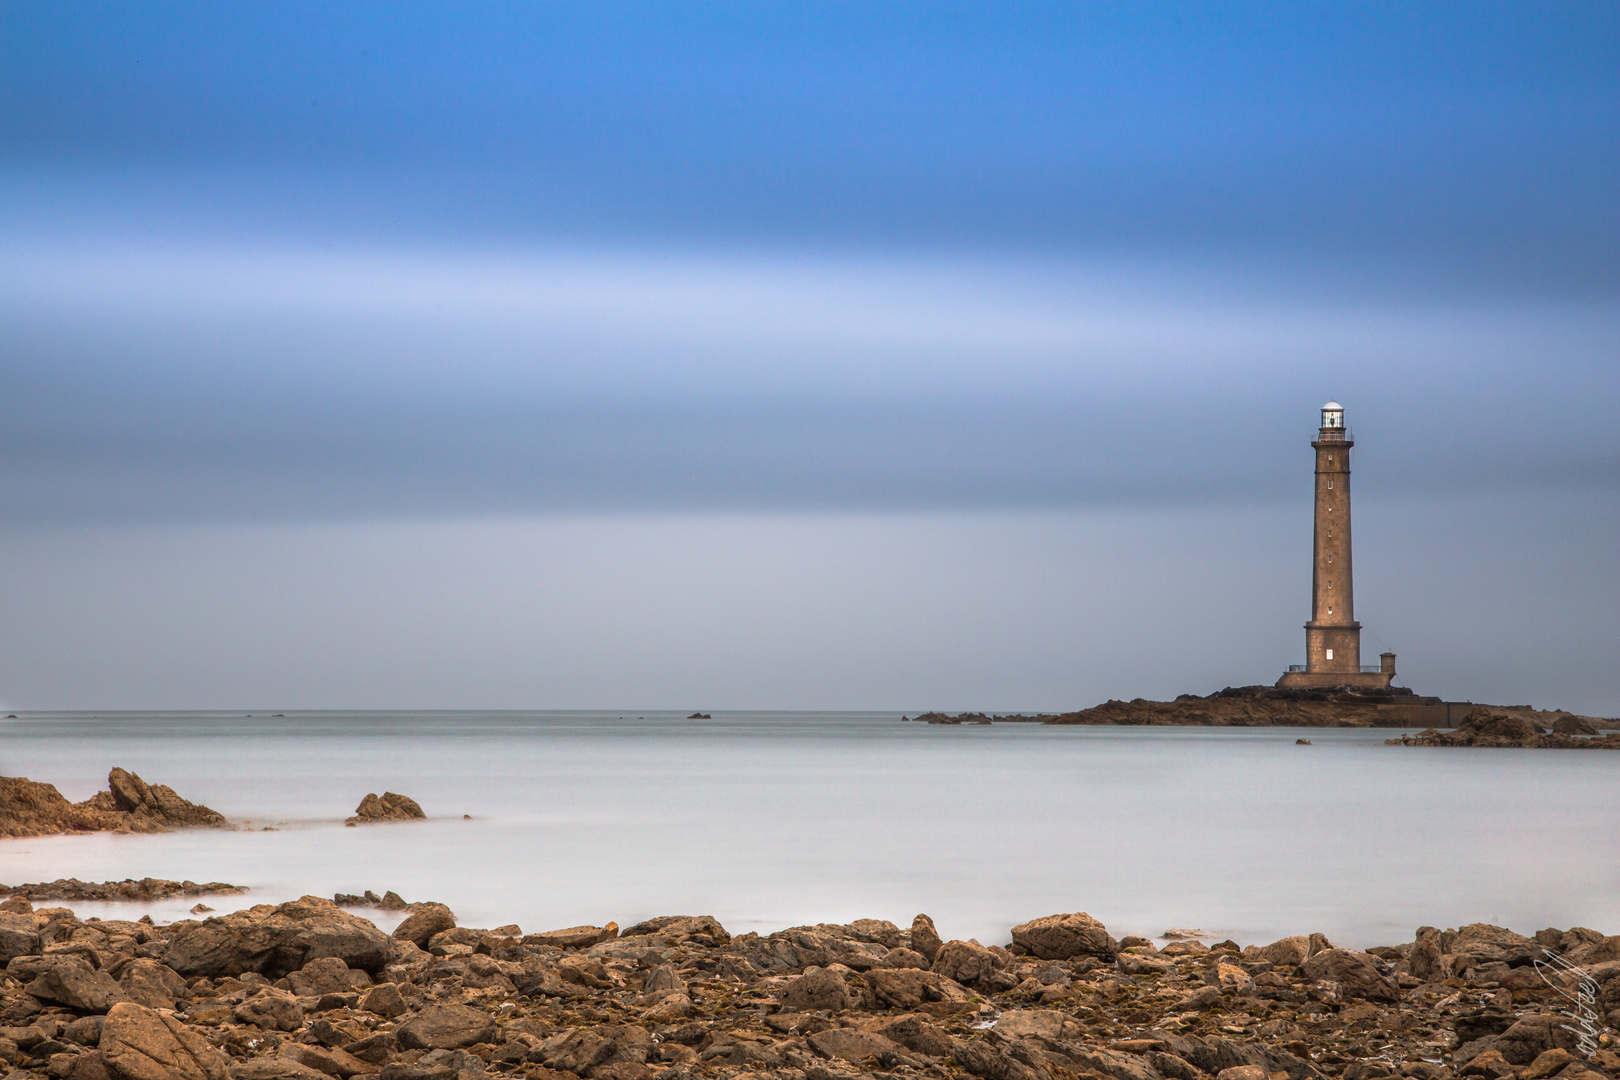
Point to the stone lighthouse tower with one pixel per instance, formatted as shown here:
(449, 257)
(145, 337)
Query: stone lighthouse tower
(1333, 636)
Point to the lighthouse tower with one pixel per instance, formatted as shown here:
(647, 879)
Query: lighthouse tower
(1333, 636)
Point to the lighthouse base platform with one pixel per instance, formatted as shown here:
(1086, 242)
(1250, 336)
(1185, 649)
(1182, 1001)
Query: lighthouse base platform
(1360, 680)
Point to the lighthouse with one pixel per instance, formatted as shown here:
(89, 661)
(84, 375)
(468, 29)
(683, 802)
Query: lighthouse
(1333, 636)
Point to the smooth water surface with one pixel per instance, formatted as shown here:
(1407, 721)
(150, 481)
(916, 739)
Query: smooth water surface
(768, 820)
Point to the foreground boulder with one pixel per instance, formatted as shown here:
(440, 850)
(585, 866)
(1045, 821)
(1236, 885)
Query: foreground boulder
(274, 941)
(1356, 973)
(423, 921)
(574, 937)
(445, 1027)
(77, 987)
(19, 936)
(390, 806)
(139, 1044)
(1064, 937)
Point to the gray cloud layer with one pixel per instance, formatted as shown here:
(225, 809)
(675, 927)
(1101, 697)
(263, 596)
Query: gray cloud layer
(154, 385)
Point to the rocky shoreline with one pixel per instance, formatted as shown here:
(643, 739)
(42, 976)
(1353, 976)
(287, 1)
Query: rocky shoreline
(305, 990)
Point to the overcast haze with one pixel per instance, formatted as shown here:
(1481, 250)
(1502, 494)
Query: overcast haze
(782, 356)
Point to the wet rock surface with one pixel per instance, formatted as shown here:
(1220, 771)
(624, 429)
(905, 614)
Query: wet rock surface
(303, 990)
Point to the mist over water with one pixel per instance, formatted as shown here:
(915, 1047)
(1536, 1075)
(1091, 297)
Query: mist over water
(768, 820)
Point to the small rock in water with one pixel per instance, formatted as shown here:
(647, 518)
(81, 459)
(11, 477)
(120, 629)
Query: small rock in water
(198, 909)
(389, 807)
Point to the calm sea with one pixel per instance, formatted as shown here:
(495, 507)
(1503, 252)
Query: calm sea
(768, 820)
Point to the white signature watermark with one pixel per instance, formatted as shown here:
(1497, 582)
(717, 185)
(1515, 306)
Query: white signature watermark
(1584, 999)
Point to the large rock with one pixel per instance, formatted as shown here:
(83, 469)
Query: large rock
(19, 936)
(915, 1033)
(965, 962)
(445, 1027)
(272, 1010)
(423, 921)
(701, 929)
(78, 988)
(574, 937)
(330, 1061)
(274, 1068)
(387, 807)
(1425, 960)
(1356, 973)
(324, 975)
(1533, 1036)
(983, 1060)
(151, 984)
(818, 988)
(1048, 1024)
(1482, 943)
(1063, 937)
(139, 1044)
(852, 1044)
(277, 940)
(907, 988)
(796, 949)
(157, 803)
(385, 1000)
(924, 938)
(30, 808)
(1290, 950)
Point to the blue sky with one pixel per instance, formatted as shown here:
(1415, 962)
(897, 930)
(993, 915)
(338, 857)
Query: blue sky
(404, 267)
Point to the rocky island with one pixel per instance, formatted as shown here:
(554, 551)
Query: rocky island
(1270, 706)
(304, 991)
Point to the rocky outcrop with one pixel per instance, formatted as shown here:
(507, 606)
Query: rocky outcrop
(681, 999)
(389, 806)
(274, 940)
(145, 889)
(130, 805)
(1488, 727)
